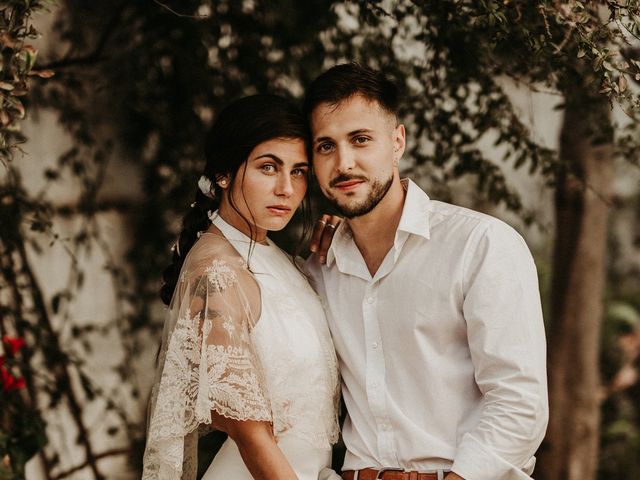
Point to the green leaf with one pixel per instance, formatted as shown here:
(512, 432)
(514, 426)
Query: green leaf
(30, 55)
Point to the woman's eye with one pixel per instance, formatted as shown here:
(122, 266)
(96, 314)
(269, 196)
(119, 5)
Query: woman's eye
(299, 172)
(268, 168)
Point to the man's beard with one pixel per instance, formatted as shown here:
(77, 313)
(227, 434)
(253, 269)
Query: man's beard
(378, 191)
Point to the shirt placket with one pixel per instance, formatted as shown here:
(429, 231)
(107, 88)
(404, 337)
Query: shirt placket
(375, 376)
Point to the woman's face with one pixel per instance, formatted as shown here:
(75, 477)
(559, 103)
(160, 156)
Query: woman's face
(268, 187)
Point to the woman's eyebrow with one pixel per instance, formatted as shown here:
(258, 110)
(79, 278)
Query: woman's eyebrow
(279, 161)
(273, 157)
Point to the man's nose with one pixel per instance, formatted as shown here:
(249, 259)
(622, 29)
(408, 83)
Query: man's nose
(345, 160)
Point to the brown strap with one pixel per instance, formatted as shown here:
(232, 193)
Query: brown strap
(371, 473)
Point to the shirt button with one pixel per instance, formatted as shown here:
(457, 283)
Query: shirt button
(374, 384)
(370, 300)
(374, 345)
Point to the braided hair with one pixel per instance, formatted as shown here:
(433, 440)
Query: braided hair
(239, 127)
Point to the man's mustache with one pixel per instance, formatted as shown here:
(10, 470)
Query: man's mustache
(346, 178)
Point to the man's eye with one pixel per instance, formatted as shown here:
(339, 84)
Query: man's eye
(361, 140)
(324, 147)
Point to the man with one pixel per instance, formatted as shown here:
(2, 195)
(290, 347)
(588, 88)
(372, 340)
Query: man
(434, 309)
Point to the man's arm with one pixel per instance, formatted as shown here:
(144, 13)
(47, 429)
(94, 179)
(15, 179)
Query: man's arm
(506, 339)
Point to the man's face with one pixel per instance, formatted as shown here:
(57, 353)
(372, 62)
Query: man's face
(355, 144)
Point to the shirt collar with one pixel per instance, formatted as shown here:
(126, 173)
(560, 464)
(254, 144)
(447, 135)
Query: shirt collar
(415, 211)
(414, 220)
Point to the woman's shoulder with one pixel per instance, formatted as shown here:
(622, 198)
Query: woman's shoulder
(213, 254)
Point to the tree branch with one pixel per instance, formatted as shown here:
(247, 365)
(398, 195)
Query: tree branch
(97, 54)
(182, 15)
(108, 453)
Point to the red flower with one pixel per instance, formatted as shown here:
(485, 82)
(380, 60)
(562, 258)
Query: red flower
(9, 382)
(13, 345)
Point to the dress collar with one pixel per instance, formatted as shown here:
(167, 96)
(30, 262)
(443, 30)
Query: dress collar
(239, 240)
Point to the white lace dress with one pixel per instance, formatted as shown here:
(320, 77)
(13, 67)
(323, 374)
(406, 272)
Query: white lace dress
(251, 343)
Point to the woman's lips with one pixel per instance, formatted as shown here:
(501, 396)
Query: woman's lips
(279, 210)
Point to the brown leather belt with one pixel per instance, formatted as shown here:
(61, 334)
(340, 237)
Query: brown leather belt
(387, 474)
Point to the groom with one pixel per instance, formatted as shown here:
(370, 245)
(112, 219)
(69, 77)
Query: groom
(434, 309)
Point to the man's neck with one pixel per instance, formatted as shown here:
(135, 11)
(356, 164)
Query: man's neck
(375, 232)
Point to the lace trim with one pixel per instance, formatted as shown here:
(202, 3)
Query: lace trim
(196, 379)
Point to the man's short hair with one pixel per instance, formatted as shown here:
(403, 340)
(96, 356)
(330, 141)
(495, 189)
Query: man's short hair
(343, 81)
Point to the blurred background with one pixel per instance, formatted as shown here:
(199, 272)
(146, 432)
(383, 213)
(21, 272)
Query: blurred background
(526, 110)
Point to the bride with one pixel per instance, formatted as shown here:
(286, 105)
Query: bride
(245, 348)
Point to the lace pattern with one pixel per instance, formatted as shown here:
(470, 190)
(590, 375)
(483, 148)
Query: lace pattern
(207, 363)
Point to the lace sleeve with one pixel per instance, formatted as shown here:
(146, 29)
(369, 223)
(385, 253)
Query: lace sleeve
(206, 363)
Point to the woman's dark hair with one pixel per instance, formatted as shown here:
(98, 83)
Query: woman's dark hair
(237, 130)
(348, 79)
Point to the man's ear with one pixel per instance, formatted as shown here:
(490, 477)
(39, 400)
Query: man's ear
(398, 142)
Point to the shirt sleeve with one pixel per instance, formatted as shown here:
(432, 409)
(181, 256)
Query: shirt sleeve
(508, 350)
(207, 363)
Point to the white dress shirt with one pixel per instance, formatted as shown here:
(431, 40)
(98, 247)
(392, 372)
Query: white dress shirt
(442, 352)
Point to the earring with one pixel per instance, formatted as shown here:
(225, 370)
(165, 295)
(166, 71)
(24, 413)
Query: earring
(395, 163)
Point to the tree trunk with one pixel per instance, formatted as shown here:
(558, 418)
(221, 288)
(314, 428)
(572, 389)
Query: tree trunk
(583, 190)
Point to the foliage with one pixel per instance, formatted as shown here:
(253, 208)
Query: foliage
(21, 426)
(18, 61)
(620, 357)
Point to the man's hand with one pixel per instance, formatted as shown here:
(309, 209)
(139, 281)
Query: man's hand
(323, 232)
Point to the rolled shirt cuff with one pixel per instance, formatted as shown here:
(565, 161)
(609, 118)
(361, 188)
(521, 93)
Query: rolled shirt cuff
(475, 462)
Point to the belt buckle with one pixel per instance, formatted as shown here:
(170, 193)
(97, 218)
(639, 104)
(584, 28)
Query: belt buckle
(387, 469)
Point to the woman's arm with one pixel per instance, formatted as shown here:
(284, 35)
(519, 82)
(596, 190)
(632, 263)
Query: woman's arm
(258, 447)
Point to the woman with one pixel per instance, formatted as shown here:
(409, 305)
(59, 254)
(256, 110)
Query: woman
(246, 349)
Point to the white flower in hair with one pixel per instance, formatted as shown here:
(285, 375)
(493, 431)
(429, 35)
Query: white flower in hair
(205, 186)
